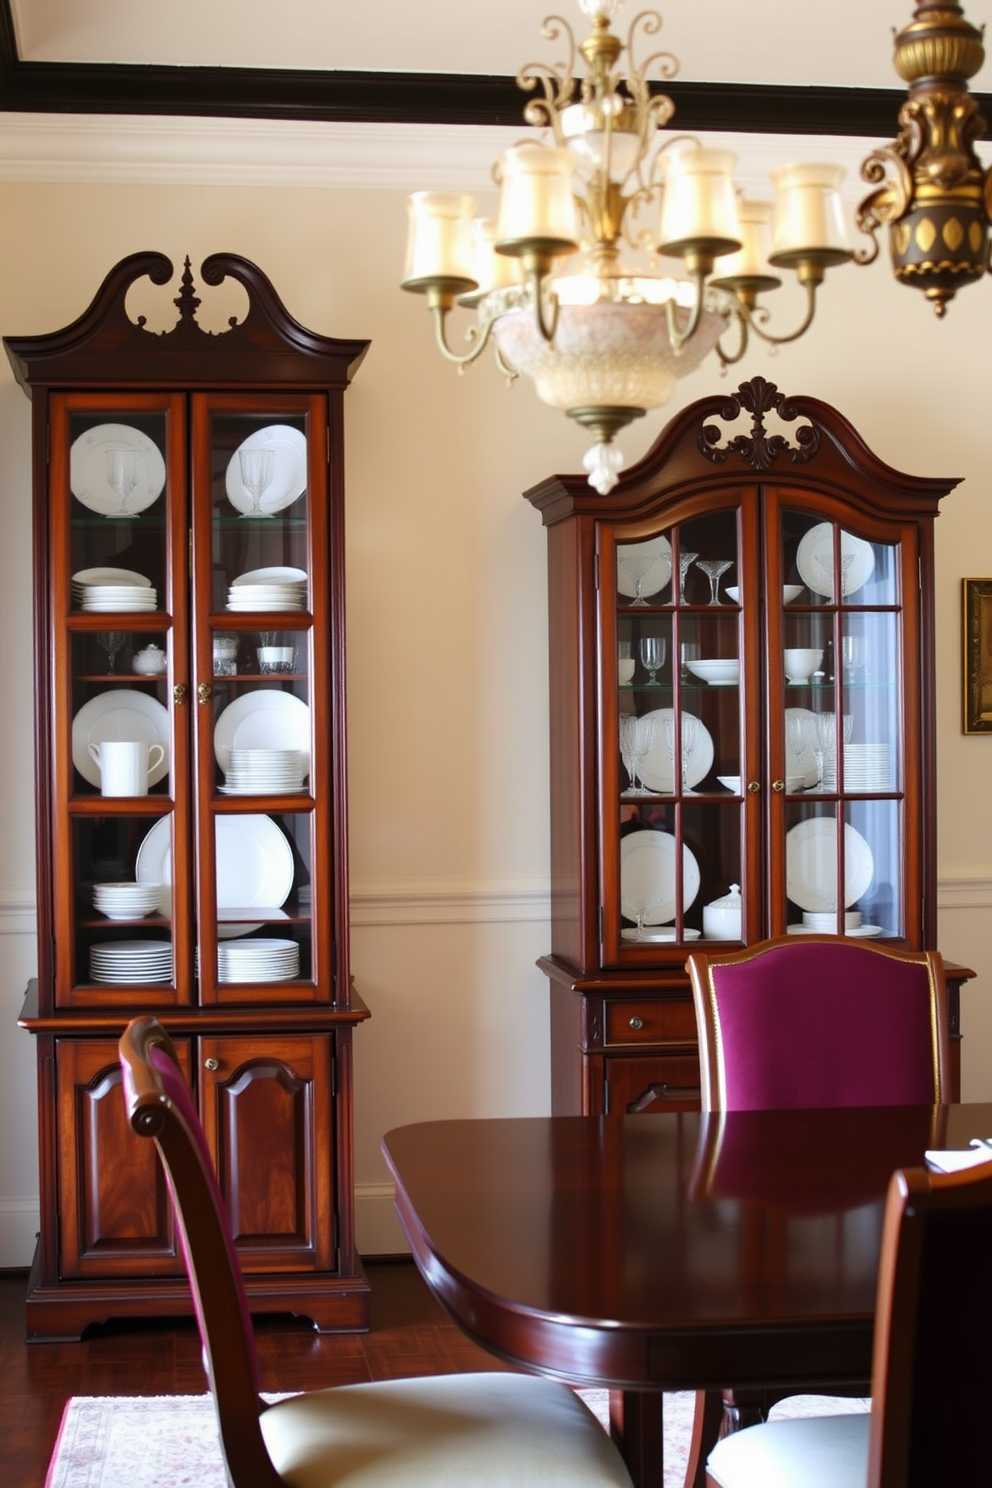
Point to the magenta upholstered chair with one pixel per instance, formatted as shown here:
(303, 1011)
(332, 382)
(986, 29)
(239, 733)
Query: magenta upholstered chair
(932, 1364)
(488, 1430)
(820, 1020)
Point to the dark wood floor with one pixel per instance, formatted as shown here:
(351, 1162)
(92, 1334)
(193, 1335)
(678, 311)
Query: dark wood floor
(410, 1334)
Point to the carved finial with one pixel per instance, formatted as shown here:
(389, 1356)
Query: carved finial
(759, 449)
(186, 302)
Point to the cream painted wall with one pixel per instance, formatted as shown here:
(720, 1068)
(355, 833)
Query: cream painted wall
(447, 631)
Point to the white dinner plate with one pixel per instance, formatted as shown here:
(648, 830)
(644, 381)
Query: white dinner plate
(263, 719)
(289, 469)
(859, 932)
(122, 714)
(271, 576)
(657, 576)
(88, 470)
(254, 863)
(87, 576)
(647, 877)
(656, 772)
(667, 932)
(811, 864)
(815, 560)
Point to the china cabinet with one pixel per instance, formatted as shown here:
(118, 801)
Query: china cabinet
(191, 812)
(742, 724)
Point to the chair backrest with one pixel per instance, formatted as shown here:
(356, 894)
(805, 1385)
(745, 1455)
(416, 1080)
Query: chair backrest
(160, 1106)
(933, 1332)
(820, 1020)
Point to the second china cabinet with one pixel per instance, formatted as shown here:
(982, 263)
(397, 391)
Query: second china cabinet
(742, 724)
(191, 804)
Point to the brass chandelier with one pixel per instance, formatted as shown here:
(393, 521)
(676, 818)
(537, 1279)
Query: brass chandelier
(570, 281)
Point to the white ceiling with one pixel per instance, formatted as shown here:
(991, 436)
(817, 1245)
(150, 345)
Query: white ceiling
(843, 43)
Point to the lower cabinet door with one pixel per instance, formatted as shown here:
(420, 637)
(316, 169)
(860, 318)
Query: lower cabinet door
(652, 1082)
(115, 1215)
(267, 1112)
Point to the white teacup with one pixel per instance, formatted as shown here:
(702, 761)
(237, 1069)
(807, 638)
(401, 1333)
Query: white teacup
(801, 663)
(126, 765)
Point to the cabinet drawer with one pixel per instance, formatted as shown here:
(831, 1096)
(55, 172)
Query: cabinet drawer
(651, 1021)
(654, 1082)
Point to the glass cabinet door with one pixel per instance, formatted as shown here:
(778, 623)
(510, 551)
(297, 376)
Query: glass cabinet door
(674, 783)
(837, 665)
(117, 502)
(260, 513)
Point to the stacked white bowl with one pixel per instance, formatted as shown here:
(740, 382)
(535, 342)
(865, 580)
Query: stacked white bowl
(127, 901)
(263, 772)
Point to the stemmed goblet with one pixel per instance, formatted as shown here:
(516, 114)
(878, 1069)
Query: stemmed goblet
(825, 562)
(713, 568)
(256, 477)
(111, 641)
(852, 650)
(690, 727)
(686, 560)
(635, 560)
(654, 649)
(798, 736)
(642, 908)
(636, 739)
(123, 474)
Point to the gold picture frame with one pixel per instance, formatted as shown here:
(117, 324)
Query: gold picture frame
(977, 656)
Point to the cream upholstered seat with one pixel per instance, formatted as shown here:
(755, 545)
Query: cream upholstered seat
(487, 1430)
(931, 1367)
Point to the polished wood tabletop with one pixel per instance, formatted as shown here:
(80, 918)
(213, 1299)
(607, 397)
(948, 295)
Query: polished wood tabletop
(660, 1252)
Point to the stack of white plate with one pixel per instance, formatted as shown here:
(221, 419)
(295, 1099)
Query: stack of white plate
(110, 590)
(131, 961)
(868, 767)
(258, 961)
(127, 901)
(263, 772)
(269, 589)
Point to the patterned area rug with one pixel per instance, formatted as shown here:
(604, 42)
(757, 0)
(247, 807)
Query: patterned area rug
(170, 1441)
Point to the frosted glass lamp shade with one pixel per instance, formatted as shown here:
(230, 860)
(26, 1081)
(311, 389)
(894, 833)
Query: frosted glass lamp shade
(536, 207)
(699, 209)
(439, 249)
(808, 220)
(749, 267)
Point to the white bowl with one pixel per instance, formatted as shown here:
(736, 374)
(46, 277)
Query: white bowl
(801, 663)
(625, 669)
(717, 672)
(732, 783)
(789, 593)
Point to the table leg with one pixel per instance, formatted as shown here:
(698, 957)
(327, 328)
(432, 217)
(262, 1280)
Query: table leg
(636, 1425)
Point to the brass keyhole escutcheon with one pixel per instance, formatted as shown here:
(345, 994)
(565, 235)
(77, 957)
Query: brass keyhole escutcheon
(203, 693)
(179, 694)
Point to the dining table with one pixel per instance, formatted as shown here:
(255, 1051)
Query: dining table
(675, 1251)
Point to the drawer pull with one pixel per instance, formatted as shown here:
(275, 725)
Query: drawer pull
(636, 1023)
(211, 1064)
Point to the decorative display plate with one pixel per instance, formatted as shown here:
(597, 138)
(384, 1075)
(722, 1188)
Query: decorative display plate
(657, 576)
(656, 772)
(811, 864)
(263, 719)
(119, 714)
(289, 470)
(815, 561)
(647, 877)
(88, 470)
(254, 863)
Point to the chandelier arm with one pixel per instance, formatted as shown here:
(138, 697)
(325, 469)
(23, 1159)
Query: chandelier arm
(752, 318)
(535, 279)
(678, 337)
(506, 368)
(476, 335)
(727, 359)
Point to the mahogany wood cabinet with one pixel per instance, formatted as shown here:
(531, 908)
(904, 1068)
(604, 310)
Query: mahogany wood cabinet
(191, 803)
(742, 724)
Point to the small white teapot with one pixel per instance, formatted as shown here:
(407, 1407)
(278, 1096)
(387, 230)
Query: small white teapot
(722, 918)
(149, 661)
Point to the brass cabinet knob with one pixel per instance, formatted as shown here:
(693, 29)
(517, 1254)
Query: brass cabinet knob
(753, 787)
(636, 1023)
(778, 785)
(179, 694)
(203, 693)
(211, 1064)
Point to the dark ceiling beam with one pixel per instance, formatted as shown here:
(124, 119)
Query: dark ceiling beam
(409, 98)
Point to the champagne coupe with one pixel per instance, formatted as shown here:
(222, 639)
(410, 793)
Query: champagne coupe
(654, 649)
(686, 560)
(713, 568)
(123, 474)
(256, 477)
(690, 738)
(111, 641)
(636, 560)
(825, 562)
(642, 908)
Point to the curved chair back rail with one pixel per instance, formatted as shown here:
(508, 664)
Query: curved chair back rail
(488, 1430)
(817, 1021)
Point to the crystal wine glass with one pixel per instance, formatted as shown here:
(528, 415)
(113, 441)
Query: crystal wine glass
(686, 560)
(654, 649)
(690, 738)
(643, 741)
(825, 725)
(123, 474)
(852, 650)
(111, 641)
(713, 568)
(628, 752)
(798, 736)
(256, 477)
(636, 560)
